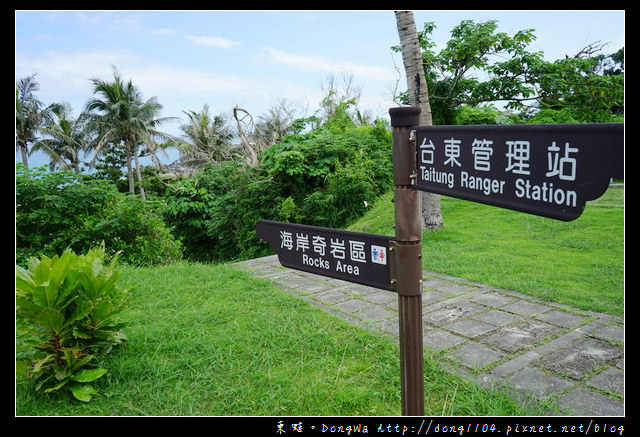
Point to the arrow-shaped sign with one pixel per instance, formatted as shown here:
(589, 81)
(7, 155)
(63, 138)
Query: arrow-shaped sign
(351, 256)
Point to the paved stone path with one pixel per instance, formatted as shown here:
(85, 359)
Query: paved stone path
(541, 349)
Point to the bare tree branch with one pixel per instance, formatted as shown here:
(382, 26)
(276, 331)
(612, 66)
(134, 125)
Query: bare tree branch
(249, 150)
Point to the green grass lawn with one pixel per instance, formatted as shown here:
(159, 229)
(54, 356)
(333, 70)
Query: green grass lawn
(578, 263)
(212, 340)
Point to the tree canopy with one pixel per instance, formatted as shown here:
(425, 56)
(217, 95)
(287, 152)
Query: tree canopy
(480, 65)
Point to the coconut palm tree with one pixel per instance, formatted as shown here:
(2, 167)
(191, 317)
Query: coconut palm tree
(123, 117)
(64, 138)
(30, 115)
(207, 138)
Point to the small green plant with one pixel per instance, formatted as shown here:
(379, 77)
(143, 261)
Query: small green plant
(67, 305)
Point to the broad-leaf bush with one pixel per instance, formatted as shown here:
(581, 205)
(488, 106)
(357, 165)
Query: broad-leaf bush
(59, 210)
(66, 309)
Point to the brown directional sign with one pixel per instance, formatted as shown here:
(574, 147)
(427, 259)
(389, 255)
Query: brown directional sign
(547, 170)
(351, 256)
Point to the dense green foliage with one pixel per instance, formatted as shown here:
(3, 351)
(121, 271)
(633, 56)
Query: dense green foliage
(60, 210)
(474, 115)
(325, 178)
(322, 178)
(67, 304)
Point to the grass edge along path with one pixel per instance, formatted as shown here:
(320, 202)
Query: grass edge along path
(578, 263)
(212, 340)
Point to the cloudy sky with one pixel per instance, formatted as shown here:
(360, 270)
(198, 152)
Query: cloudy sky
(254, 58)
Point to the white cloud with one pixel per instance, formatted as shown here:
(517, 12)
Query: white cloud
(212, 41)
(163, 31)
(173, 83)
(325, 64)
(155, 79)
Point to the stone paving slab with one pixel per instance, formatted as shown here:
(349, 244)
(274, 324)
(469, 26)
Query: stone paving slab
(520, 336)
(544, 350)
(475, 355)
(533, 381)
(582, 357)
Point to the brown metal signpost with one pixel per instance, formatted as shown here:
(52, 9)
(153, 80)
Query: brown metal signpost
(408, 254)
(547, 170)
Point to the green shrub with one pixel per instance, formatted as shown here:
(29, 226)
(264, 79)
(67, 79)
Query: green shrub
(66, 305)
(132, 227)
(60, 210)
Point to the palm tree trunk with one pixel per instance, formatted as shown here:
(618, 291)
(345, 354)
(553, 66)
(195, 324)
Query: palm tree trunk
(419, 97)
(412, 60)
(23, 152)
(127, 148)
(138, 174)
